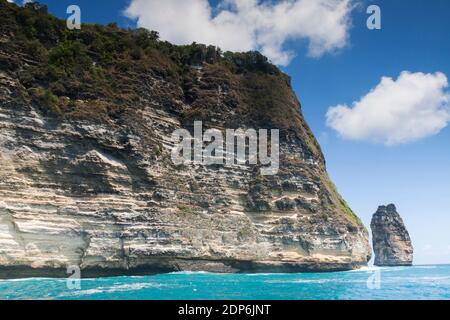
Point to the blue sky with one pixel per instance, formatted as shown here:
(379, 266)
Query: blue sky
(416, 175)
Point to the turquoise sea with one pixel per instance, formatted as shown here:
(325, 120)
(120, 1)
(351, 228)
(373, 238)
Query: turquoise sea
(418, 282)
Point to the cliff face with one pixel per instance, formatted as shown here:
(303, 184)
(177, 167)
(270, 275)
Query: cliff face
(86, 177)
(391, 242)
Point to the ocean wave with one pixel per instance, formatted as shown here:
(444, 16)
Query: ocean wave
(119, 288)
(194, 272)
(32, 279)
(424, 267)
(389, 269)
(303, 281)
(366, 269)
(265, 274)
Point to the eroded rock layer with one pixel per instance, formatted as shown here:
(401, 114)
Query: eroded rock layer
(86, 177)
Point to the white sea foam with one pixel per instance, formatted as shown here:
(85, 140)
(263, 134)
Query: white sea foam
(196, 272)
(31, 279)
(424, 267)
(366, 269)
(119, 288)
(303, 281)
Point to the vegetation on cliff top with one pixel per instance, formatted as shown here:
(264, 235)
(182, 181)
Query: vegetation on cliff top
(79, 63)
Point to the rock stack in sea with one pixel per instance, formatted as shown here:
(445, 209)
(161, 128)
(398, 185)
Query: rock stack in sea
(391, 241)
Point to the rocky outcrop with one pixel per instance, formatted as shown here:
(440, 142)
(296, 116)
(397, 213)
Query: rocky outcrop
(391, 242)
(86, 177)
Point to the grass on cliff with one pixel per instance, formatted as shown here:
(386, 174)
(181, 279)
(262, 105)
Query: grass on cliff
(339, 202)
(101, 61)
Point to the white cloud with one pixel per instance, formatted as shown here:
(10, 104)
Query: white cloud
(412, 107)
(23, 2)
(242, 25)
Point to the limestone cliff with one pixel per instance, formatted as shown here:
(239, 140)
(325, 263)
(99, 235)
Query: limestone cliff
(391, 242)
(86, 177)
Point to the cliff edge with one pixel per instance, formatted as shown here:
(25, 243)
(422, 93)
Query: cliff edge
(86, 177)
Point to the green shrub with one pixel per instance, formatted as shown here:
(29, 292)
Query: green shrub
(136, 53)
(70, 56)
(47, 101)
(36, 49)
